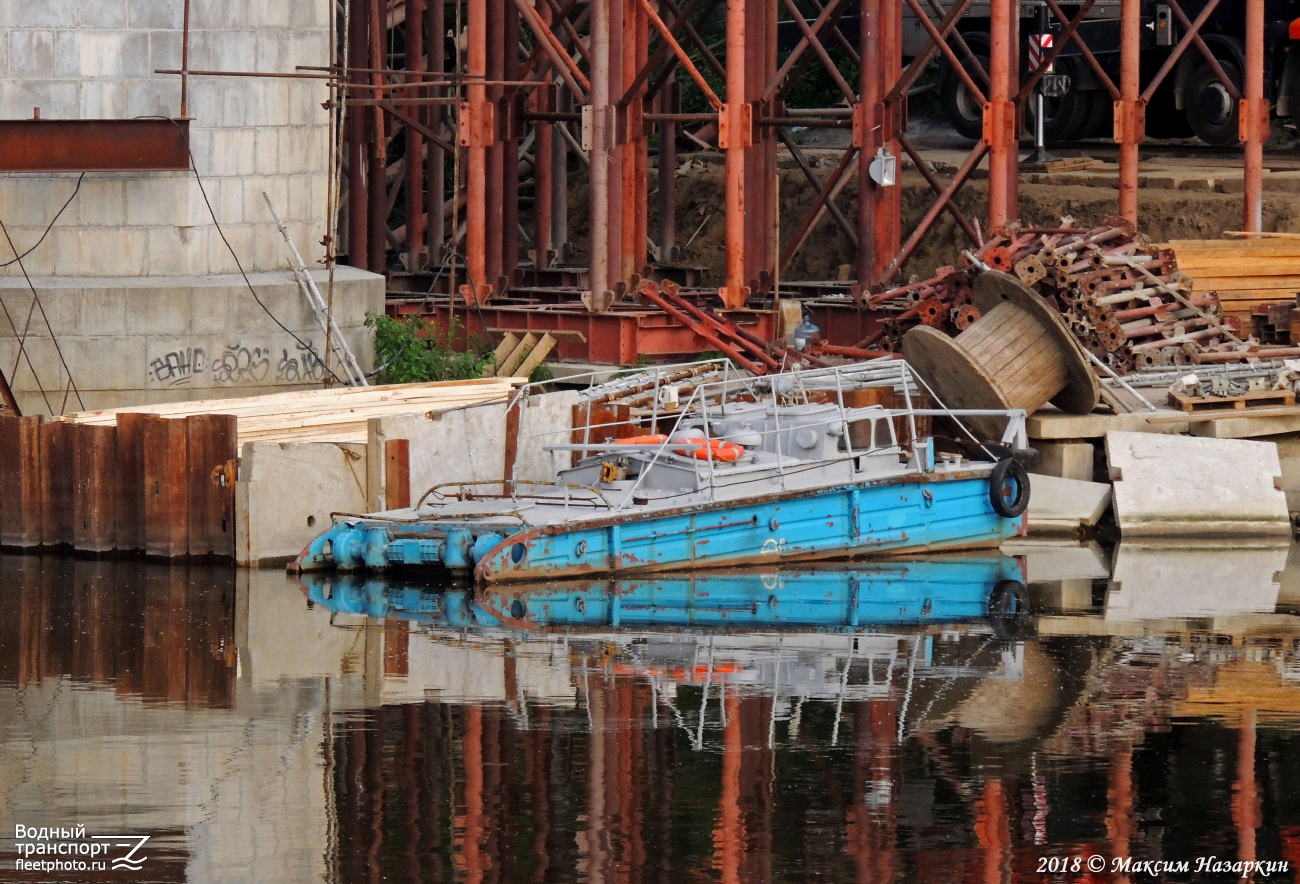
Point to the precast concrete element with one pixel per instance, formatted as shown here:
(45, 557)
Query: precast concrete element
(82, 61)
(166, 339)
(285, 494)
(1065, 460)
(465, 445)
(1175, 581)
(1194, 487)
(1063, 506)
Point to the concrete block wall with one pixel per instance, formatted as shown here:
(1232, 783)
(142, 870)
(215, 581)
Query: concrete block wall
(88, 59)
(168, 339)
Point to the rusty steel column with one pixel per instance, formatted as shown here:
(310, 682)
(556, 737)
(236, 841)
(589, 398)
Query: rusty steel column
(1129, 110)
(543, 101)
(869, 139)
(436, 35)
(415, 248)
(477, 129)
(735, 133)
(560, 180)
(513, 128)
(668, 103)
(377, 171)
(1254, 118)
(496, 173)
(598, 236)
(760, 156)
(358, 229)
(1000, 113)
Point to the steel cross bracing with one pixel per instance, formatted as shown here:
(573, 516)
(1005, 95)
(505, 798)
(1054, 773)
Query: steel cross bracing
(462, 113)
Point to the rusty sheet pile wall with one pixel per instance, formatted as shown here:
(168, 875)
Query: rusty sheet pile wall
(154, 485)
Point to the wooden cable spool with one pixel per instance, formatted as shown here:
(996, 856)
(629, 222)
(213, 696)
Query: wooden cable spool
(1019, 354)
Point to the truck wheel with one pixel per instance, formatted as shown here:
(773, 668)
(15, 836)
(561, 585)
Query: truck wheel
(1100, 114)
(961, 108)
(1065, 116)
(1211, 111)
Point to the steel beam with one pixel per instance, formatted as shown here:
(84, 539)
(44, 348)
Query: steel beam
(94, 145)
(415, 216)
(358, 226)
(1254, 118)
(1000, 134)
(477, 132)
(1130, 116)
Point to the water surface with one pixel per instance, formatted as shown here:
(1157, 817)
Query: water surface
(837, 724)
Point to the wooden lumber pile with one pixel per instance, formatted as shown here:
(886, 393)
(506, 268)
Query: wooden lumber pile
(333, 415)
(1246, 273)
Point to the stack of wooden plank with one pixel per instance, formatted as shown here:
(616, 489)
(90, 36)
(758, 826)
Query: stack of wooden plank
(334, 415)
(1246, 273)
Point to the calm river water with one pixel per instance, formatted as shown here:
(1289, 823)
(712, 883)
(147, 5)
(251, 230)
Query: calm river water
(930, 721)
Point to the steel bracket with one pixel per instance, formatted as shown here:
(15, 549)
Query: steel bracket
(736, 125)
(1130, 121)
(1260, 120)
(477, 129)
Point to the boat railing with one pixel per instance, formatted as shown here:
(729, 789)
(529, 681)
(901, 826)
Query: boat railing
(714, 384)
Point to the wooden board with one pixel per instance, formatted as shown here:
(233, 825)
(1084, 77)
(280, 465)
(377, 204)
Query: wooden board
(397, 473)
(130, 482)
(1244, 402)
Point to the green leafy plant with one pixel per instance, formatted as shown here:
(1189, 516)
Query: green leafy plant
(410, 351)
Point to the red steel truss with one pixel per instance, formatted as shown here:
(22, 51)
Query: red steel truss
(459, 112)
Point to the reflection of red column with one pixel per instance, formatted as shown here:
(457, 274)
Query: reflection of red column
(871, 832)
(597, 855)
(1119, 811)
(1245, 791)
(538, 765)
(757, 772)
(991, 830)
(472, 752)
(729, 835)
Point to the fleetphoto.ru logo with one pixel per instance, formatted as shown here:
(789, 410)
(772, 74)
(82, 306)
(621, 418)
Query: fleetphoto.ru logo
(59, 849)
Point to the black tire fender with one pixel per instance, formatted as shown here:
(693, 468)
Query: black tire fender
(1009, 470)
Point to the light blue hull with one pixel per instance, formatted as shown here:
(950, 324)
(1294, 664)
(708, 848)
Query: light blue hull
(908, 514)
(947, 589)
(901, 517)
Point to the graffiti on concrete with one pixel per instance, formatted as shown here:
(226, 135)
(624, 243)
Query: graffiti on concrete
(242, 363)
(179, 367)
(305, 366)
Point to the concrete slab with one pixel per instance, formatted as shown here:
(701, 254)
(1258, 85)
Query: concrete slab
(1062, 506)
(1155, 581)
(1182, 485)
(1248, 427)
(1050, 424)
(286, 492)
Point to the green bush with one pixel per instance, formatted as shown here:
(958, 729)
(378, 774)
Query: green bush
(410, 351)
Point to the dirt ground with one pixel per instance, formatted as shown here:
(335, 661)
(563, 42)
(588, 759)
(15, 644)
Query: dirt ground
(1166, 213)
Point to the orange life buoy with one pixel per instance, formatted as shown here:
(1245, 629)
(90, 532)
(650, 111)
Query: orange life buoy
(714, 449)
(655, 439)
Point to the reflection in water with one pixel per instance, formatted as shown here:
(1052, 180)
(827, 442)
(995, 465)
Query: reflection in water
(897, 721)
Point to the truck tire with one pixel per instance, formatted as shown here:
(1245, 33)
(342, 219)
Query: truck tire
(960, 107)
(1066, 116)
(1211, 111)
(1100, 115)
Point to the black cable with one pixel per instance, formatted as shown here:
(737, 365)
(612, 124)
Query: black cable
(50, 226)
(248, 282)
